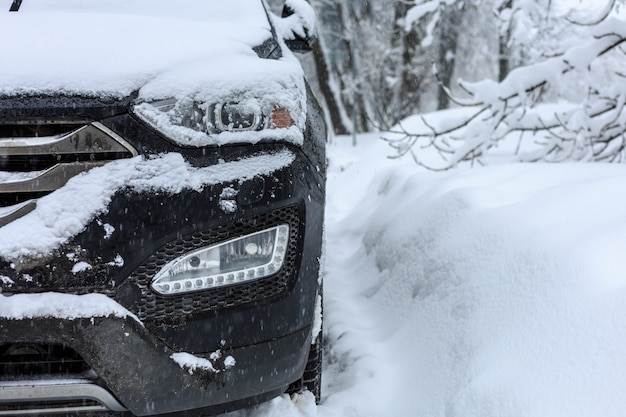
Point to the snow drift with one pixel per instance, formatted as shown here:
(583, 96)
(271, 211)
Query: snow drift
(497, 291)
(491, 292)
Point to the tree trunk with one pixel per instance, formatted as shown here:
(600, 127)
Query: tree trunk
(504, 65)
(448, 36)
(323, 78)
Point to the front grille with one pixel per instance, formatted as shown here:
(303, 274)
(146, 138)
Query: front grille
(50, 379)
(153, 307)
(36, 159)
(63, 407)
(23, 360)
(45, 379)
(29, 163)
(36, 130)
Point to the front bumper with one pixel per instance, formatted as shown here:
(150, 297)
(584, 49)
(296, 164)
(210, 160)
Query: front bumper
(138, 370)
(264, 325)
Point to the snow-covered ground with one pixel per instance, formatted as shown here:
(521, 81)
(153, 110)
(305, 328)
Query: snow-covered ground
(495, 291)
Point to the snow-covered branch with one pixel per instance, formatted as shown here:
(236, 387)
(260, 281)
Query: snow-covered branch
(591, 128)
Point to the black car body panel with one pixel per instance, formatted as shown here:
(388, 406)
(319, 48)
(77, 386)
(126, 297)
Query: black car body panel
(135, 366)
(255, 335)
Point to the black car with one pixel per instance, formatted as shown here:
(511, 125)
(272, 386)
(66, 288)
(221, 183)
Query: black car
(162, 183)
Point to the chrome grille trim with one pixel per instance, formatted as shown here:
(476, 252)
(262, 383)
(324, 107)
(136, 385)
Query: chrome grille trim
(117, 138)
(21, 397)
(63, 157)
(94, 138)
(17, 211)
(50, 179)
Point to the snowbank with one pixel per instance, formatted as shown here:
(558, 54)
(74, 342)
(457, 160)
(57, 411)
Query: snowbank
(497, 291)
(491, 292)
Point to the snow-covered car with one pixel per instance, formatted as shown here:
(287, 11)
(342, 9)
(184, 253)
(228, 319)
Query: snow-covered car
(162, 183)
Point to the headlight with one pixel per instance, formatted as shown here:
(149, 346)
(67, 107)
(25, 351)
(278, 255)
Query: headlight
(194, 123)
(236, 117)
(239, 260)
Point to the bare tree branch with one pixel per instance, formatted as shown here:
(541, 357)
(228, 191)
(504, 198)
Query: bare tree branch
(606, 10)
(594, 129)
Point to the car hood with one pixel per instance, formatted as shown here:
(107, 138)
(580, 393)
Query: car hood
(158, 48)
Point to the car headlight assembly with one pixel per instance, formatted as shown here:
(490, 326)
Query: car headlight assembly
(243, 259)
(235, 117)
(246, 117)
(187, 119)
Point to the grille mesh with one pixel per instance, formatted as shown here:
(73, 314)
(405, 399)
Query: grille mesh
(30, 360)
(152, 307)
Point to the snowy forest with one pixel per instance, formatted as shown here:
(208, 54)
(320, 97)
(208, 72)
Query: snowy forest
(507, 62)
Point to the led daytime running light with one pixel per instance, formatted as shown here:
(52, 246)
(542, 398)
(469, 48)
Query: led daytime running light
(236, 261)
(235, 117)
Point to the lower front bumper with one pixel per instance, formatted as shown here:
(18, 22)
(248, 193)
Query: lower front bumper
(139, 372)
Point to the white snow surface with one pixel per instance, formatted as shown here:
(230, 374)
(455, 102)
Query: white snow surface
(57, 305)
(54, 221)
(191, 362)
(301, 23)
(80, 267)
(119, 46)
(491, 292)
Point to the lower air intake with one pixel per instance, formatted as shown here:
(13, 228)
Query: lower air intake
(31, 360)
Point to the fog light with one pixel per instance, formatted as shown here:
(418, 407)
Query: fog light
(236, 261)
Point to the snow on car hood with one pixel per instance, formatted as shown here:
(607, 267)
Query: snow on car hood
(120, 46)
(197, 49)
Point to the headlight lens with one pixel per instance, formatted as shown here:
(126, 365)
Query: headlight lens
(236, 117)
(236, 261)
(194, 123)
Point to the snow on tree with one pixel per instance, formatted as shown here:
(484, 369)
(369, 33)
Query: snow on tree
(373, 64)
(354, 49)
(371, 72)
(567, 103)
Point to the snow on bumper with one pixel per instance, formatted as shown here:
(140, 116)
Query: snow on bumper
(63, 306)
